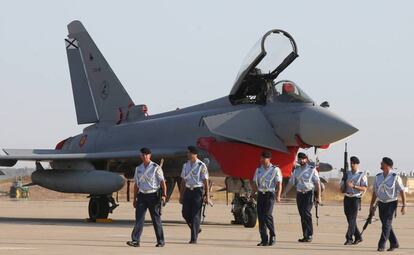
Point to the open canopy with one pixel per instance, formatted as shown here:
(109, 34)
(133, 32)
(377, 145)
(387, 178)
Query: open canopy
(275, 51)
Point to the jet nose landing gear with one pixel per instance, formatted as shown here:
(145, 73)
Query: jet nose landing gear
(244, 207)
(100, 206)
(244, 210)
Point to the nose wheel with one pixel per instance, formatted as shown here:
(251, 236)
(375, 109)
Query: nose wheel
(243, 204)
(244, 211)
(100, 207)
(249, 216)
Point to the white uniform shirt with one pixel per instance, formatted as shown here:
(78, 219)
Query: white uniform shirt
(148, 178)
(194, 174)
(266, 179)
(388, 188)
(358, 179)
(304, 178)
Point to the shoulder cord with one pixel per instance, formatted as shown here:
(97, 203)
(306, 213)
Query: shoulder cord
(262, 180)
(300, 180)
(359, 182)
(192, 170)
(145, 174)
(146, 177)
(386, 188)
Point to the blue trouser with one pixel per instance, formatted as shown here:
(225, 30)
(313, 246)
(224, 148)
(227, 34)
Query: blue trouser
(192, 204)
(304, 202)
(150, 202)
(265, 203)
(386, 214)
(351, 207)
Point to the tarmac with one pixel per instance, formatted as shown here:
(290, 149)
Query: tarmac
(59, 227)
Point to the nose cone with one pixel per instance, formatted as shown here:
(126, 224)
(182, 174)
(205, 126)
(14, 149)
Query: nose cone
(319, 127)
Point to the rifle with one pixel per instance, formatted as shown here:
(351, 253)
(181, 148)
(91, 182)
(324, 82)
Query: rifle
(345, 170)
(316, 203)
(204, 210)
(161, 203)
(205, 204)
(370, 216)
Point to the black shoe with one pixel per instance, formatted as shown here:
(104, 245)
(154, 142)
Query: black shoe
(133, 243)
(305, 240)
(381, 249)
(357, 241)
(262, 244)
(199, 230)
(272, 241)
(392, 248)
(348, 242)
(160, 245)
(192, 242)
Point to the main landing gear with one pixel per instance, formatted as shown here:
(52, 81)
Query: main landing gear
(100, 206)
(244, 207)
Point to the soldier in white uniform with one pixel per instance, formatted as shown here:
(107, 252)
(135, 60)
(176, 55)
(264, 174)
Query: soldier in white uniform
(149, 177)
(267, 181)
(194, 190)
(388, 185)
(355, 186)
(305, 178)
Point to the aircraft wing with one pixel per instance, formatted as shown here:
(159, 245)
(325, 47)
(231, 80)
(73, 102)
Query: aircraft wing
(14, 155)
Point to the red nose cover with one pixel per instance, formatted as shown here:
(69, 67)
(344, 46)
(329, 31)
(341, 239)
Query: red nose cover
(241, 160)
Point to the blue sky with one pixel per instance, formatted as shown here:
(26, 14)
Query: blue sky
(355, 54)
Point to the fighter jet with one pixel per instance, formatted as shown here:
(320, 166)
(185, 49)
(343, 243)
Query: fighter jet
(260, 112)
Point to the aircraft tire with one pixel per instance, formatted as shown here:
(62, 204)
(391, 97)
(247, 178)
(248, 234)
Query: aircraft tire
(98, 208)
(249, 217)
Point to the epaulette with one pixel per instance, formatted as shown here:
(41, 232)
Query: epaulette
(200, 163)
(379, 174)
(394, 174)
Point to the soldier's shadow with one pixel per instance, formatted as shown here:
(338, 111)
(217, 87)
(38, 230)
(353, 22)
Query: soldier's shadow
(84, 222)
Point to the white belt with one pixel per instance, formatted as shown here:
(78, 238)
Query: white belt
(193, 187)
(266, 190)
(388, 200)
(359, 195)
(148, 191)
(304, 191)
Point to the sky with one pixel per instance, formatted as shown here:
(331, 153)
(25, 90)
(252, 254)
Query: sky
(357, 55)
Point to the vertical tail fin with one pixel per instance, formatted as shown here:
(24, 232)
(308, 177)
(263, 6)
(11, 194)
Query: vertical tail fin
(97, 92)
